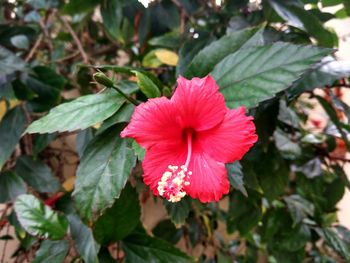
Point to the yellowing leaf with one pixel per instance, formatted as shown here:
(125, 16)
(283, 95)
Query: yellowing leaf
(68, 185)
(167, 57)
(3, 108)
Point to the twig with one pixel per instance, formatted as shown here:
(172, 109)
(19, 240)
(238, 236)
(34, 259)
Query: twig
(75, 38)
(34, 48)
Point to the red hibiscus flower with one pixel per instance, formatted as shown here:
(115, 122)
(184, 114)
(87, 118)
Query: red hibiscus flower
(188, 139)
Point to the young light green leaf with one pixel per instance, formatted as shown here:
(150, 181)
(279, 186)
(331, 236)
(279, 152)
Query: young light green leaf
(147, 86)
(11, 129)
(253, 75)
(52, 251)
(38, 219)
(102, 173)
(79, 113)
(119, 220)
(37, 174)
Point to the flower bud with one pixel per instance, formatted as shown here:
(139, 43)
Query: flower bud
(101, 78)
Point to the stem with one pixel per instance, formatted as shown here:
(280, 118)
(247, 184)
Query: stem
(132, 100)
(189, 148)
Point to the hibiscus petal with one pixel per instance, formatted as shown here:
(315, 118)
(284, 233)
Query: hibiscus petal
(154, 122)
(199, 103)
(230, 140)
(157, 160)
(208, 181)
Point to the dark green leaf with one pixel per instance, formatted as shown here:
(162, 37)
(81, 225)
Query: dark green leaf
(83, 238)
(83, 138)
(256, 74)
(243, 214)
(76, 6)
(167, 231)
(120, 220)
(219, 49)
(323, 74)
(104, 256)
(333, 239)
(38, 219)
(52, 251)
(122, 115)
(140, 248)
(11, 129)
(139, 151)
(37, 174)
(294, 13)
(334, 118)
(147, 86)
(235, 175)
(41, 141)
(299, 208)
(178, 211)
(79, 114)
(11, 186)
(102, 173)
(188, 50)
(50, 77)
(288, 148)
(9, 62)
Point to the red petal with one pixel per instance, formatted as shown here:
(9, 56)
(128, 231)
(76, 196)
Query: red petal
(208, 181)
(199, 103)
(230, 140)
(154, 122)
(157, 160)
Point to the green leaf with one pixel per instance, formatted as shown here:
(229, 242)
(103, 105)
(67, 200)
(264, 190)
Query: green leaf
(83, 238)
(74, 7)
(141, 248)
(52, 251)
(122, 115)
(178, 211)
(139, 151)
(9, 62)
(272, 171)
(147, 86)
(102, 173)
(244, 213)
(299, 208)
(38, 219)
(11, 129)
(256, 74)
(167, 231)
(235, 175)
(188, 50)
(82, 140)
(324, 74)
(11, 186)
(334, 118)
(20, 41)
(294, 13)
(120, 220)
(288, 148)
(41, 141)
(217, 50)
(37, 174)
(333, 239)
(113, 19)
(79, 114)
(50, 77)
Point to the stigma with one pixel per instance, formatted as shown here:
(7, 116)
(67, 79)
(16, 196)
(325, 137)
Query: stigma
(171, 185)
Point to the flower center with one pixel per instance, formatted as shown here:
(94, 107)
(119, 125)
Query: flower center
(171, 185)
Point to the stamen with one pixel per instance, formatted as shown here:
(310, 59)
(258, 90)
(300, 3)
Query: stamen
(171, 185)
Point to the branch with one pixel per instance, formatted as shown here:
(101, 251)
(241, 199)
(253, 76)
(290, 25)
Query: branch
(75, 38)
(34, 49)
